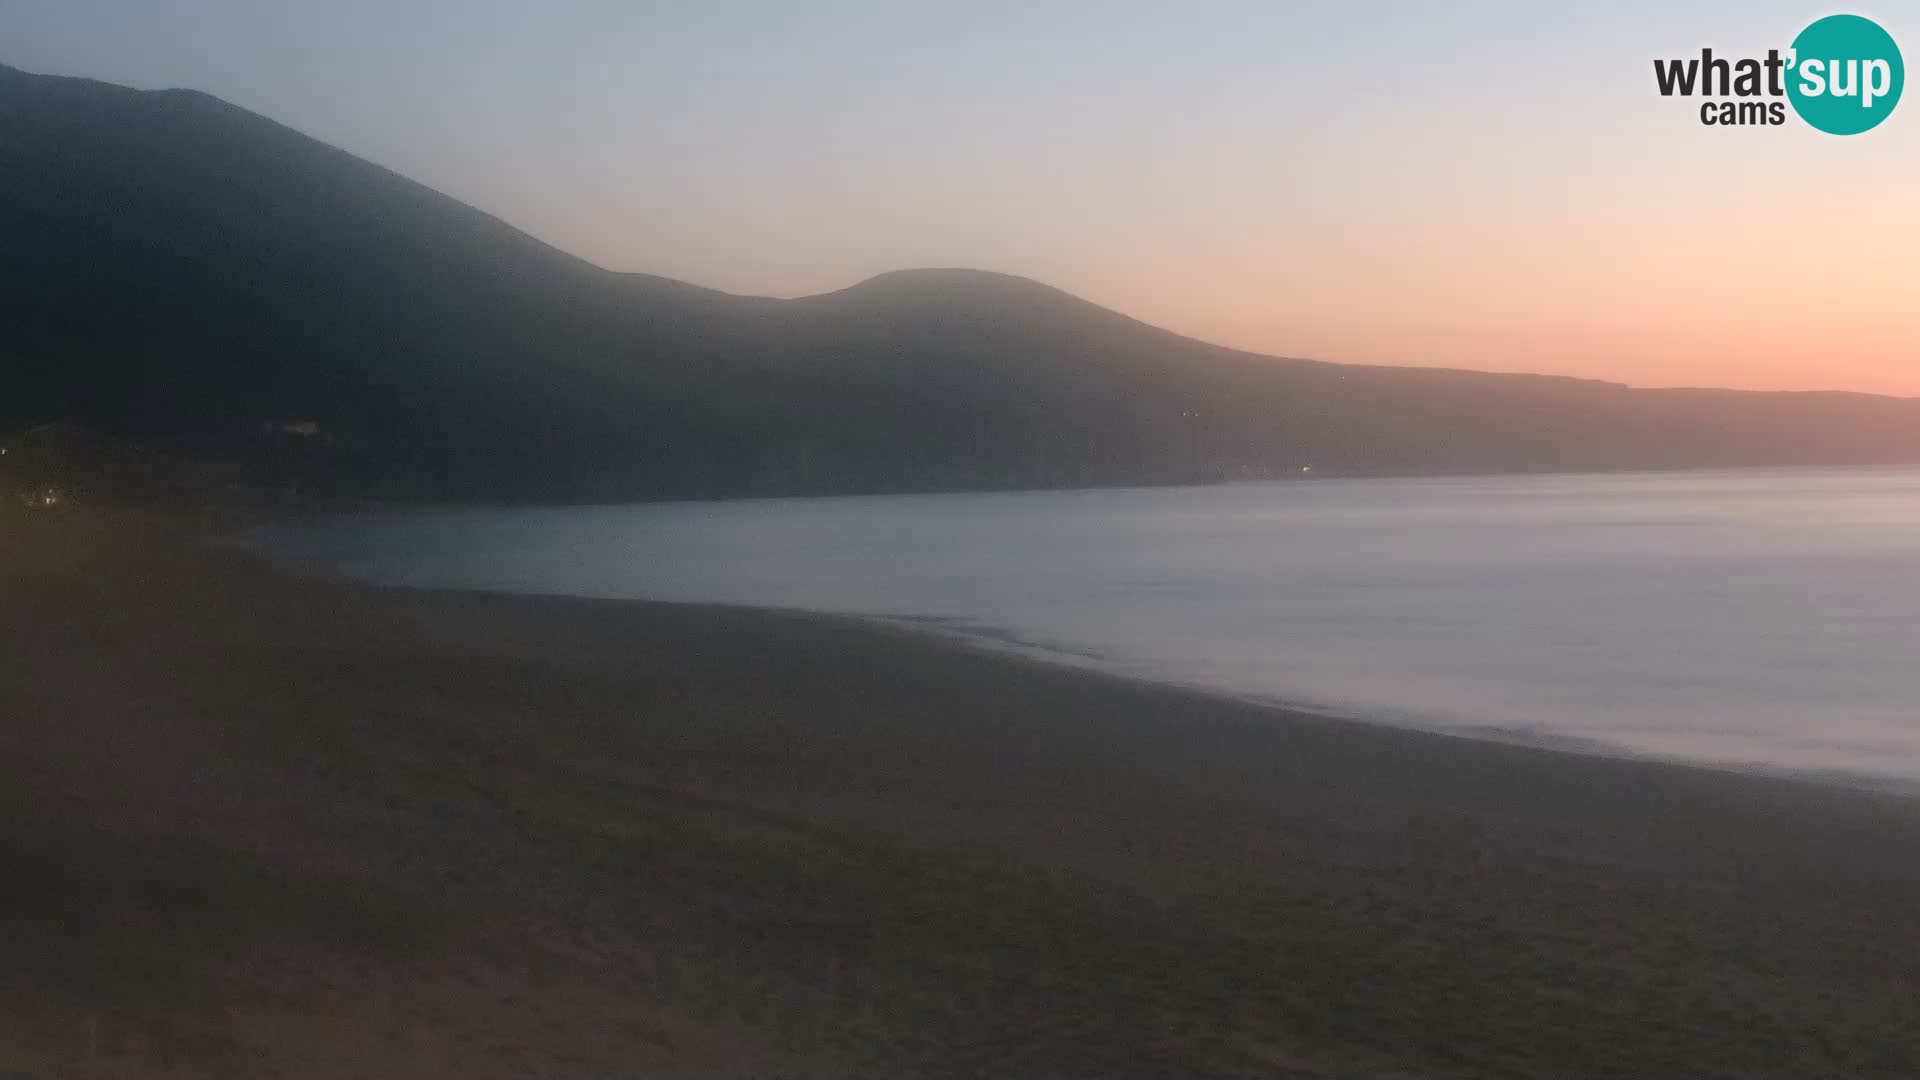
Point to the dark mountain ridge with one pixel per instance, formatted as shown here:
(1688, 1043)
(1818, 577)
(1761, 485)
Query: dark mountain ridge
(180, 271)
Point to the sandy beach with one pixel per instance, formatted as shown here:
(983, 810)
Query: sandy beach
(261, 826)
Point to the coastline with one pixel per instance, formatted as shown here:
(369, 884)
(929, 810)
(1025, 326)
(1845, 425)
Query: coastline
(359, 831)
(993, 641)
(1632, 640)
(998, 641)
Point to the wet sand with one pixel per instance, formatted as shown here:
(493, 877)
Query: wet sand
(257, 826)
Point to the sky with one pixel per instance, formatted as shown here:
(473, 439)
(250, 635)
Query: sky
(1475, 184)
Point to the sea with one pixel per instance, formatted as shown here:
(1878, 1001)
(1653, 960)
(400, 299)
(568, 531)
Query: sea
(1756, 619)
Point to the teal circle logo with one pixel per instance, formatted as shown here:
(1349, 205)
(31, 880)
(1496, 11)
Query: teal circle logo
(1845, 74)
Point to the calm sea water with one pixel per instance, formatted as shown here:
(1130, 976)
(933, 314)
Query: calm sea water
(1761, 619)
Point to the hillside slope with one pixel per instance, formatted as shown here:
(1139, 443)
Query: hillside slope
(178, 270)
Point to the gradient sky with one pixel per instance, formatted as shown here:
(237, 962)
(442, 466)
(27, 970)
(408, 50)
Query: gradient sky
(1488, 185)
